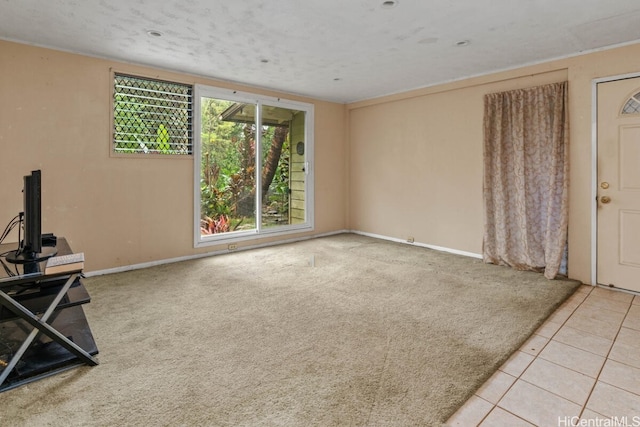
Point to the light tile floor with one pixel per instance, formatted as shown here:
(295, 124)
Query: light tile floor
(581, 367)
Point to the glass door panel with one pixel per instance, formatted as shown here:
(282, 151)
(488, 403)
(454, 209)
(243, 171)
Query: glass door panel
(228, 166)
(282, 179)
(252, 158)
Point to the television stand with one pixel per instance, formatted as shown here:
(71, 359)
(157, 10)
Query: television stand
(43, 329)
(17, 257)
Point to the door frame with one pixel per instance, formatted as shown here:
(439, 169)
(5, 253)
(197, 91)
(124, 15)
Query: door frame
(200, 91)
(594, 167)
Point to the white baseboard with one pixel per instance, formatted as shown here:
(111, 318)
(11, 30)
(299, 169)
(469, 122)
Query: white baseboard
(280, 242)
(206, 254)
(423, 245)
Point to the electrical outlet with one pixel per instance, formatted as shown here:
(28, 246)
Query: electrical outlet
(410, 240)
(232, 247)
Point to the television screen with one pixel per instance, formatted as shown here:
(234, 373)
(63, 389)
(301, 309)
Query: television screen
(32, 212)
(30, 249)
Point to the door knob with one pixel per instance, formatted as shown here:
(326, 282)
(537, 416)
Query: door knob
(604, 185)
(605, 199)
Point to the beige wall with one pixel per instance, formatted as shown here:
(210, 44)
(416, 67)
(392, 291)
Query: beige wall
(417, 165)
(55, 116)
(416, 157)
(407, 165)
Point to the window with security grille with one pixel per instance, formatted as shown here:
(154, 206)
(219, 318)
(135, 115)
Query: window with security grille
(151, 116)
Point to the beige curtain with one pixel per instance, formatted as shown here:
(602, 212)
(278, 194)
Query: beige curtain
(526, 178)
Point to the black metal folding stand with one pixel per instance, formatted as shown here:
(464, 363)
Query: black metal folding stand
(42, 312)
(40, 325)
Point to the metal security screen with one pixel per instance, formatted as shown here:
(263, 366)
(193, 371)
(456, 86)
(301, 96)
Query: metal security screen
(151, 116)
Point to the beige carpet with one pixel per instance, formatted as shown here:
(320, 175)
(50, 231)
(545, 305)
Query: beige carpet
(344, 330)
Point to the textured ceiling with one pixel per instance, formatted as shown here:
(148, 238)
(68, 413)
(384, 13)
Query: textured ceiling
(338, 50)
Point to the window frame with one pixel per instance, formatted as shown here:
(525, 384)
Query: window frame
(259, 232)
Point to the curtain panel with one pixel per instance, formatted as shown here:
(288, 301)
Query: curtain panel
(526, 178)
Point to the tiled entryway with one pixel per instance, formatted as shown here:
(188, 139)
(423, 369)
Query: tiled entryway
(583, 363)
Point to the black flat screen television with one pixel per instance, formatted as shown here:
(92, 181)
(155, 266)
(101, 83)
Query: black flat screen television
(30, 249)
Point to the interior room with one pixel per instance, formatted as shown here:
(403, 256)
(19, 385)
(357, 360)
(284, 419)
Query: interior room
(387, 100)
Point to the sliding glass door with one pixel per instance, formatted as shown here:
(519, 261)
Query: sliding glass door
(253, 166)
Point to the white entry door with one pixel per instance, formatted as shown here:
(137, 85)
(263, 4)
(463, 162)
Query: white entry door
(619, 184)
